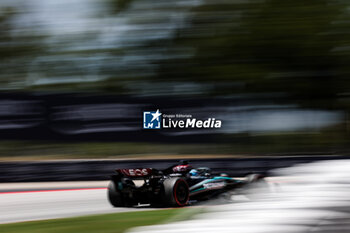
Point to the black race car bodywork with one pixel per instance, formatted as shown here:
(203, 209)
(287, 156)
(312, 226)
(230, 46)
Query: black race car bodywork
(173, 186)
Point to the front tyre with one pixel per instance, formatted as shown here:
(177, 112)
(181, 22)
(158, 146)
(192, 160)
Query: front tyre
(253, 177)
(176, 192)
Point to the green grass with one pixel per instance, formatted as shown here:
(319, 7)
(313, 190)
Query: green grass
(106, 223)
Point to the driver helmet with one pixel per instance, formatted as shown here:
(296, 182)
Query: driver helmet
(194, 172)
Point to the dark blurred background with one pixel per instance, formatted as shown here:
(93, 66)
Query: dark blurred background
(75, 77)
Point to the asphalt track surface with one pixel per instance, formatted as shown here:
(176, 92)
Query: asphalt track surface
(36, 201)
(305, 198)
(50, 200)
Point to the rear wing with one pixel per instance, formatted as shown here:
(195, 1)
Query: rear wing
(136, 172)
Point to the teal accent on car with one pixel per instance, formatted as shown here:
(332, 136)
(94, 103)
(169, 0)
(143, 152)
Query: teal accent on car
(216, 178)
(194, 191)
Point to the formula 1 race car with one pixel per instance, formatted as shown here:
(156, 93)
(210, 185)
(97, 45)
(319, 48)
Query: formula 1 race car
(174, 186)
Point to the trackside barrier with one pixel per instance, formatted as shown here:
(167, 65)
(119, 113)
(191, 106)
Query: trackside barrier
(89, 170)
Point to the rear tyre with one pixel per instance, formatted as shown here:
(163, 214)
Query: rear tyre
(176, 192)
(114, 195)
